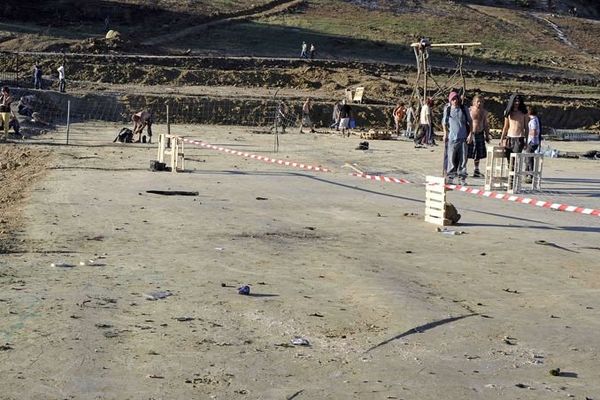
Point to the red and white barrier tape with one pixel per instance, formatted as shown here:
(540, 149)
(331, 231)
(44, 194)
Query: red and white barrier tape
(525, 200)
(380, 178)
(257, 157)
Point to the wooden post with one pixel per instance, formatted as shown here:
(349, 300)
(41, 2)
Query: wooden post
(168, 128)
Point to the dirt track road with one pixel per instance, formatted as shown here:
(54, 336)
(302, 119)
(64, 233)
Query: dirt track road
(392, 309)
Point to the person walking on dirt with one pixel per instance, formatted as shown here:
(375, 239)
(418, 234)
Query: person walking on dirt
(61, 79)
(399, 113)
(515, 125)
(424, 133)
(37, 77)
(5, 112)
(481, 134)
(281, 117)
(306, 117)
(303, 53)
(345, 114)
(457, 123)
(410, 117)
(312, 51)
(141, 120)
(335, 116)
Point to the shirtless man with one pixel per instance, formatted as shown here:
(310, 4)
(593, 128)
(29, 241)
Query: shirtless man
(481, 133)
(399, 113)
(514, 131)
(141, 120)
(306, 118)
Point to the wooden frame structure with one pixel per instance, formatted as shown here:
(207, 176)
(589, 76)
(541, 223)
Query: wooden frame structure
(502, 174)
(517, 172)
(435, 200)
(496, 169)
(175, 150)
(421, 50)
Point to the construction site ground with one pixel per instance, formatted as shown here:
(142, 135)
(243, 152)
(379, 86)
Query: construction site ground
(391, 308)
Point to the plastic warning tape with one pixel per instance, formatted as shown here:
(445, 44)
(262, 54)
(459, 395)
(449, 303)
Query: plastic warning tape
(525, 200)
(257, 157)
(381, 178)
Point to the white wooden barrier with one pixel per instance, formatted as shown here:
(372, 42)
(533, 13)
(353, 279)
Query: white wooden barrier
(518, 173)
(176, 151)
(435, 200)
(496, 169)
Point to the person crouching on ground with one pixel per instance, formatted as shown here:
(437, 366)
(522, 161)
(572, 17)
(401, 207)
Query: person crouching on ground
(457, 123)
(481, 134)
(141, 120)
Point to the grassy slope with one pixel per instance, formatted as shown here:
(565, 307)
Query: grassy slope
(344, 30)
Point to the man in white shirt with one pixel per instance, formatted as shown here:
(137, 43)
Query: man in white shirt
(61, 79)
(425, 129)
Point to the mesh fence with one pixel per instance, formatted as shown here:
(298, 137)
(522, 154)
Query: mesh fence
(47, 110)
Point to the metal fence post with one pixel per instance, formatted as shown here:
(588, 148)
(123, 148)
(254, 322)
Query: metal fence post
(68, 119)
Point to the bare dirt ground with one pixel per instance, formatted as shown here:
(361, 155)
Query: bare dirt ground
(391, 308)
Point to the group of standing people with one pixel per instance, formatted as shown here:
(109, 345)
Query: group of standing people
(466, 132)
(306, 52)
(38, 82)
(422, 133)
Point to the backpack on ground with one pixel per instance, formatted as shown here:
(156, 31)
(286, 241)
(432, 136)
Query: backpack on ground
(125, 135)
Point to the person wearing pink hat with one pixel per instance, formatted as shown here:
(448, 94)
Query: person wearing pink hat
(456, 124)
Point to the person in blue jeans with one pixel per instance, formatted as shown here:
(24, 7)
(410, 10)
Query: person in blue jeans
(456, 124)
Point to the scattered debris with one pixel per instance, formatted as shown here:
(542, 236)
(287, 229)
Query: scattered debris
(262, 198)
(244, 290)
(522, 386)
(511, 291)
(363, 146)
(163, 294)
(555, 372)
(62, 265)
(173, 192)
(446, 231)
(300, 341)
(316, 315)
(6, 347)
(103, 326)
(184, 319)
(156, 376)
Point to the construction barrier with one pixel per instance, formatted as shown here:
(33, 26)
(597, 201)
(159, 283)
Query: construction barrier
(257, 157)
(435, 200)
(524, 200)
(381, 178)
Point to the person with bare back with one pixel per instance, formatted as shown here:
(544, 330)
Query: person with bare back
(515, 125)
(481, 134)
